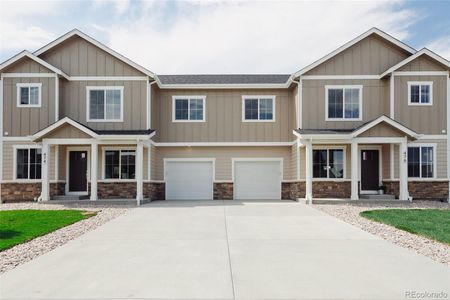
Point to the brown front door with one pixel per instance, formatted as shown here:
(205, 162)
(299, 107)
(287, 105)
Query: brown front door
(370, 170)
(77, 171)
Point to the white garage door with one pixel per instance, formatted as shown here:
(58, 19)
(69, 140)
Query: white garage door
(189, 180)
(257, 179)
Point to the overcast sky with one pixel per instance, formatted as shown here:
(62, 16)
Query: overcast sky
(183, 37)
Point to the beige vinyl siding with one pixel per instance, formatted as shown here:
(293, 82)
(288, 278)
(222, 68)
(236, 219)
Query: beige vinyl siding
(26, 65)
(73, 104)
(370, 56)
(294, 160)
(224, 118)
(223, 158)
(425, 119)
(62, 162)
(423, 63)
(67, 132)
(23, 121)
(382, 130)
(78, 57)
(375, 102)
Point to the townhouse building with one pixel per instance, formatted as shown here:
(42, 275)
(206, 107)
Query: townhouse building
(81, 120)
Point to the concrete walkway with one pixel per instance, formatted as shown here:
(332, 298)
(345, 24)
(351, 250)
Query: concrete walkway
(226, 250)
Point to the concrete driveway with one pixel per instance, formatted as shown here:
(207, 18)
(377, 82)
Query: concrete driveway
(226, 250)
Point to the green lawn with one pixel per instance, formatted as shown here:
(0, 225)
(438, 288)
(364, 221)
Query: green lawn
(431, 223)
(19, 226)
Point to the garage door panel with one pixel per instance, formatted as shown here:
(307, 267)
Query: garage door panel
(257, 179)
(189, 180)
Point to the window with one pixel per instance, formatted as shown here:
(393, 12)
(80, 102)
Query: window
(420, 92)
(188, 108)
(120, 164)
(343, 103)
(258, 108)
(421, 161)
(28, 163)
(29, 94)
(105, 104)
(328, 163)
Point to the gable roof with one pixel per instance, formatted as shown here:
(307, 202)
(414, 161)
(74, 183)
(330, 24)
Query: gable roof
(25, 53)
(423, 51)
(97, 134)
(76, 32)
(224, 79)
(371, 31)
(353, 133)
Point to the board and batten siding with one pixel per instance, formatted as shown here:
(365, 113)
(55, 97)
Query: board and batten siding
(375, 102)
(223, 118)
(23, 121)
(73, 104)
(78, 57)
(424, 119)
(26, 65)
(370, 56)
(223, 158)
(422, 63)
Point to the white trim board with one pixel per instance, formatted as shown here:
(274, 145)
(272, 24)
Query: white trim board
(25, 53)
(65, 120)
(29, 86)
(96, 43)
(423, 51)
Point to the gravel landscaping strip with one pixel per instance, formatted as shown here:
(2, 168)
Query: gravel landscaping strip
(350, 213)
(22, 253)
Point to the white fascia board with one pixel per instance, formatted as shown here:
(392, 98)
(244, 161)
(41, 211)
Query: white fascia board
(414, 56)
(96, 43)
(351, 43)
(391, 122)
(36, 59)
(223, 86)
(60, 123)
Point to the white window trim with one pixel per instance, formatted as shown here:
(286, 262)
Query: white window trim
(328, 148)
(104, 88)
(29, 85)
(420, 145)
(259, 97)
(344, 119)
(104, 149)
(420, 83)
(189, 98)
(19, 147)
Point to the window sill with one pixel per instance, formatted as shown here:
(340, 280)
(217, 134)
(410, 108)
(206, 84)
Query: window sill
(104, 121)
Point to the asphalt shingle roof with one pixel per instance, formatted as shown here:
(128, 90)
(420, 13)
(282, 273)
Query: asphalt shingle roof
(225, 79)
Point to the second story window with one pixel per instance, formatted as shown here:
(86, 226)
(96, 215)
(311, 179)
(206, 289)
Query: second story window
(343, 103)
(420, 92)
(29, 94)
(105, 104)
(258, 108)
(188, 108)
